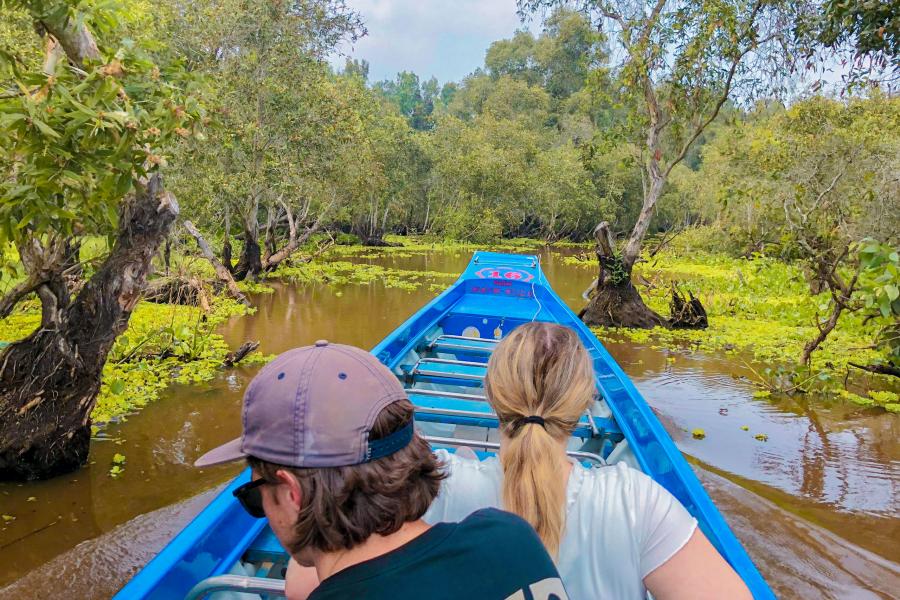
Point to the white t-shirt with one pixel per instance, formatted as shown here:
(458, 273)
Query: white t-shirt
(620, 524)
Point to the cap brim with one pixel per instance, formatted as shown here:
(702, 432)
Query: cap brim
(225, 453)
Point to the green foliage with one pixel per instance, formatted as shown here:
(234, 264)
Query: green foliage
(874, 25)
(867, 32)
(470, 221)
(818, 173)
(560, 60)
(339, 273)
(283, 127)
(73, 141)
(880, 264)
(414, 100)
(879, 285)
(760, 310)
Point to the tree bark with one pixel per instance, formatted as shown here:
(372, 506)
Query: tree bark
(223, 274)
(167, 255)
(841, 298)
(620, 305)
(232, 358)
(615, 301)
(824, 330)
(49, 380)
(639, 231)
(878, 369)
(294, 241)
(250, 262)
(270, 244)
(75, 39)
(226, 245)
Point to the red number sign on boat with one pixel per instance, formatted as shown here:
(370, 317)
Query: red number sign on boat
(507, 273)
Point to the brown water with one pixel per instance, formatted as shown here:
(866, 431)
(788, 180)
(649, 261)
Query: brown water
(817, 505)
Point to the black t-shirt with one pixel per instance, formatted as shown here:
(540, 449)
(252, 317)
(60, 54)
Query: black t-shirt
(491, 554)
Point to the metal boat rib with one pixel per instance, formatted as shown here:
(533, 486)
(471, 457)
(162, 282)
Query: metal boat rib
(440, 354)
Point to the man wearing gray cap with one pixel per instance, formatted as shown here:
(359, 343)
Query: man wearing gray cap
(344, 481)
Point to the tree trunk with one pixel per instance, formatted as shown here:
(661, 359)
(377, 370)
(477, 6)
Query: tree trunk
(75, 39)
(824, 330)
(686, 313)
(223, 274)
(620, 305)
(615, 301)
(633, 248)
(270, 244)
(294, 240)
(250, 263)
(167, 256)
(226, 245)
(49, 381)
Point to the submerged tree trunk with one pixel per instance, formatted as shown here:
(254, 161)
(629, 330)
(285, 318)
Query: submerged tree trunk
(686, 312)
(615, 302)
(620, 305)
(250, 262)
(49, 381)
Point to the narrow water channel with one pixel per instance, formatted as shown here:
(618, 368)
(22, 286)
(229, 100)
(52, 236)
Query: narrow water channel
(817, 505)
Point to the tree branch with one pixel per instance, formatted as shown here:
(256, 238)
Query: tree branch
(729, 80)
(13, 296)
(76, 40)
(223, 274)
(878, 369)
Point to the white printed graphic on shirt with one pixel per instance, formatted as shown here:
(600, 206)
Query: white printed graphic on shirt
(546, 589)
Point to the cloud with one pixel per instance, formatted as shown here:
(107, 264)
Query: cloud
(442, 38)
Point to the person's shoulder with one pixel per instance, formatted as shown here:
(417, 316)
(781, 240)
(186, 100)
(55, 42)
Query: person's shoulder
(499, 519)
(608, 487)
(470, 475)
(455, 463)
(613, 477)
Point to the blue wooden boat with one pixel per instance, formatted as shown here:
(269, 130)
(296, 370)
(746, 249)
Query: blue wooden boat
(440, 354)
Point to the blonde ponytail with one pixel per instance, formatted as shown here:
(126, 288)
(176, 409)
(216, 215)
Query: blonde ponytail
(540, 370)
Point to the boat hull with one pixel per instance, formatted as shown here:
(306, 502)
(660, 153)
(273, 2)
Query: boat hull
(496, 293)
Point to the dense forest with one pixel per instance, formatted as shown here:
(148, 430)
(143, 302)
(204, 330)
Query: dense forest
(131, 132)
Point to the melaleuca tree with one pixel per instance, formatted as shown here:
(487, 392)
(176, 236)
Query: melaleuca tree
(87, 111)
(278, 116)
(675, 64)
(819, 180)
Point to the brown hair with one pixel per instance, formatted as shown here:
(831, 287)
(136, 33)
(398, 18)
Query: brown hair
(343, 506)
(540, 369)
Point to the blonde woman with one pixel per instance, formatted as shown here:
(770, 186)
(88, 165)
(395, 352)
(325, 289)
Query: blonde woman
(613, 531)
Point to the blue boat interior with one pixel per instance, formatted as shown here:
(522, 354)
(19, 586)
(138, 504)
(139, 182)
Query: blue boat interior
(440, 355)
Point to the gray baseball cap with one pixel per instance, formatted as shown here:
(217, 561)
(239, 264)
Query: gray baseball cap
(314, 407)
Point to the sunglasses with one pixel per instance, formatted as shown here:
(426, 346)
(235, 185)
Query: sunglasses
(250, 497)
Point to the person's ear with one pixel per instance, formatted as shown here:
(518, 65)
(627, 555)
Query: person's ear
(288, 490)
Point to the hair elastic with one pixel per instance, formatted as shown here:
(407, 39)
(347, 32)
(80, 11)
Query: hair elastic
(532, 419)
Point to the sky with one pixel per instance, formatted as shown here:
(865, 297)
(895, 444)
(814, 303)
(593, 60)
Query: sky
(446, 39)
